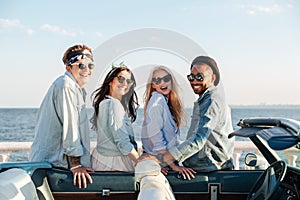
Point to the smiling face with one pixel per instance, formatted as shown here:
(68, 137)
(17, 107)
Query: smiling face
(119, 86)
(80, 75)
(200, 87)
(163, 83)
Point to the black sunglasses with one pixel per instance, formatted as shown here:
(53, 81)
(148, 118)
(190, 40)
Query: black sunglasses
(121, 80)
(199, 77)
(158, 80)
(83, 66)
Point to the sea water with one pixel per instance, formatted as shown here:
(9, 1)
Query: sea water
(17, 124)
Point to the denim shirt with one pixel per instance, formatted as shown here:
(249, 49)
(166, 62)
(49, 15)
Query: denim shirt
(62, 127)
(207, 147)
(114, 129)
(159, 130)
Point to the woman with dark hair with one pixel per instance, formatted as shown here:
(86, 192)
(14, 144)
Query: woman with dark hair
(115, 104)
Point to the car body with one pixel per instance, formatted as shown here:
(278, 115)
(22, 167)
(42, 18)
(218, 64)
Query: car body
(270, 136)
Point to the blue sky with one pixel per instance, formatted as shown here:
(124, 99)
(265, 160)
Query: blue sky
(256, 43)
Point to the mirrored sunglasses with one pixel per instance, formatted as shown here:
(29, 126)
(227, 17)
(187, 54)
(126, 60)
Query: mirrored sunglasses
(199, 77)
(82, 66)
(121, 80)
(158, 80)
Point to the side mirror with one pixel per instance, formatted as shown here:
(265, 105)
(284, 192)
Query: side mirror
(253, 160)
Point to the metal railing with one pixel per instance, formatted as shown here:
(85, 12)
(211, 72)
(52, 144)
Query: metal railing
(240, 147)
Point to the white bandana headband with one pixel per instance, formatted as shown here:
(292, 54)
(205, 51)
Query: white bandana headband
(77, 55)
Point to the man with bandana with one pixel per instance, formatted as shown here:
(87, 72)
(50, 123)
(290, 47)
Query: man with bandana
(62, 132)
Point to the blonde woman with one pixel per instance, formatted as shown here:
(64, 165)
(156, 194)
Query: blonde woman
(163, 113)
(163, 116)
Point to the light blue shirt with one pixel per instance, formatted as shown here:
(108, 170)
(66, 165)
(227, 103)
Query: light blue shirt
(159, 130)
(208, 147)
(62, 127)
(114, 129)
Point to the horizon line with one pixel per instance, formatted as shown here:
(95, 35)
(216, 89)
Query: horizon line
(230, 105)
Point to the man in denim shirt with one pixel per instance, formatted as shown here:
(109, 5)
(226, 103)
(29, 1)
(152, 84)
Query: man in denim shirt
(207, 147)
(62, 133)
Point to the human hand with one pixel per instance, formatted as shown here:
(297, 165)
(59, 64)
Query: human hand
(81, 175)
(187, 173)
(164, 171)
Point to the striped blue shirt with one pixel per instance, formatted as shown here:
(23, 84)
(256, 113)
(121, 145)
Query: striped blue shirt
(62, 127)
(159, 130)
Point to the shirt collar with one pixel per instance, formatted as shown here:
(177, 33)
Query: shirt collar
(67, 73)
(209, 90)
(157, 93)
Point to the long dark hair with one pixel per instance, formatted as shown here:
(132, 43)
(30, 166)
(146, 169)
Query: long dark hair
(129, 100)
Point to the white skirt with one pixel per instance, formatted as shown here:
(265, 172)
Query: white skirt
(111, 163)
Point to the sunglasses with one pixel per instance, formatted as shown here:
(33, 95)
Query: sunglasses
(83, 66)
(121, 80)
(199, 77)
(158, 80)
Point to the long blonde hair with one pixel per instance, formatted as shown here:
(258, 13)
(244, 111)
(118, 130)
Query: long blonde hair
(174, 102)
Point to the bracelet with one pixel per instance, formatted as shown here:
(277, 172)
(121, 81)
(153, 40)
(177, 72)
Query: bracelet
(78, 166)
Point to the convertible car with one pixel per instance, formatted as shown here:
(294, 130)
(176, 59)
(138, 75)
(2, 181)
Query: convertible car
(275, 181)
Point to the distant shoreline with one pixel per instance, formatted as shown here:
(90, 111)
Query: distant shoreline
(231, 106)
(265, 106)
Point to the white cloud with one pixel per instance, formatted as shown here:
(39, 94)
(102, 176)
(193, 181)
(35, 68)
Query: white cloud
(29, 31)
(10, 23)
(13, 23)
(255, 9)
(57, 30)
